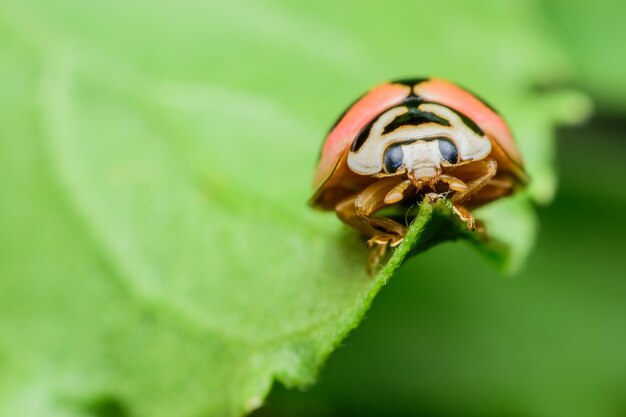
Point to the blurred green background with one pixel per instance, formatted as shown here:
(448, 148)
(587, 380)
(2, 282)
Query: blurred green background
(150, 150)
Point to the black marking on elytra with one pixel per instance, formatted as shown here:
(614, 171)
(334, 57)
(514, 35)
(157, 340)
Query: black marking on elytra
(414, 117)
(448, 151)
(393, 158)
(363, 135)
(365, 131)
(470, 123)
(411, 101)
(410, 81)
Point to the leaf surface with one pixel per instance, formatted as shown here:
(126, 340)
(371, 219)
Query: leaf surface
(157, 256)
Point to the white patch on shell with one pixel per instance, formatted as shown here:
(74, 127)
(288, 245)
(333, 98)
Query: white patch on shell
(423, 155)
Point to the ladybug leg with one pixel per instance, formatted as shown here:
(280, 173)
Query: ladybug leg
(489, 167)
(372, 199)
(346, 211)
(397, 193)
(496, 188)
(358, 211)
(465, 215)
(454, 183)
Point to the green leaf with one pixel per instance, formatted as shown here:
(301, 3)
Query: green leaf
(157, 257)
(448, 337)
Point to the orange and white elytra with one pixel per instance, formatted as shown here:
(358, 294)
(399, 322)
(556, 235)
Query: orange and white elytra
(406, 138)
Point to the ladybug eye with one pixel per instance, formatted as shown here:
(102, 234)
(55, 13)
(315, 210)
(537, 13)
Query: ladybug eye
(393, 158)
(448, 151)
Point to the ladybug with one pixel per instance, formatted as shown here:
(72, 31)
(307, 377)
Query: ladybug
(406, 138)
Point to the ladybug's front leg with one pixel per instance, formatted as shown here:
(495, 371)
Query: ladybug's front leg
(358, 211)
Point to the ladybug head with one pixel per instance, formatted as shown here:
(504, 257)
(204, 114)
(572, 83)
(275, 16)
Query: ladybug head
(419, 139)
